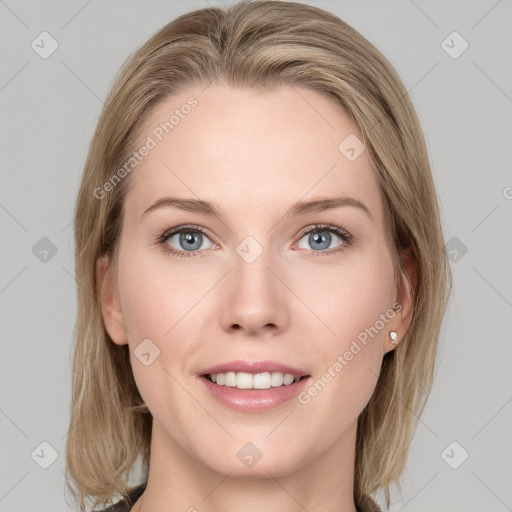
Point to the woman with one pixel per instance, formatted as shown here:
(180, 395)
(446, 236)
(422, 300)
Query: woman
(262, 269)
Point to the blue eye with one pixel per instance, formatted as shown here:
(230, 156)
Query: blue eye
(320, 237)
(191, 239)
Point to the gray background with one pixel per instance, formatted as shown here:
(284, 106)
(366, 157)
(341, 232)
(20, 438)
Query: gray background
(48, 110)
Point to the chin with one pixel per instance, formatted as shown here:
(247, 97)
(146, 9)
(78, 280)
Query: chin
(249, 461)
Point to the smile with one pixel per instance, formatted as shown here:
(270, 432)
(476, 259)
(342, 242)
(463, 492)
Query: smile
(244, 380)
(253, 386)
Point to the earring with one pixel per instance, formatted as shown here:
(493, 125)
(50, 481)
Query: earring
(393, 335)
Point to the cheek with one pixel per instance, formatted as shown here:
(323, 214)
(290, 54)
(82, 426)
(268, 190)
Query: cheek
(152, 305)
(157, 306)
(151, 299)
(356, 307)
(145, 305)
(350, 299)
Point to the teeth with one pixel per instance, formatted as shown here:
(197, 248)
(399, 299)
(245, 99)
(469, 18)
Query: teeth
(242, 380)
(230, 379)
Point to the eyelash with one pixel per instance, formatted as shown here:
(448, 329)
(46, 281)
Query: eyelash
(347, 238)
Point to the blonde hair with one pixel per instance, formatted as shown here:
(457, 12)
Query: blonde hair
(261, 45)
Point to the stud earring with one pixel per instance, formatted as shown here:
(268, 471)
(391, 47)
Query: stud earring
(393, 335)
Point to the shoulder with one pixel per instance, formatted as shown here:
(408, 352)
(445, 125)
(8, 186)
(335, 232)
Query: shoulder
(126, 505)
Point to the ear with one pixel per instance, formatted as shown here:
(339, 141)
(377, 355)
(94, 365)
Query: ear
(109, 301)
(404, 298)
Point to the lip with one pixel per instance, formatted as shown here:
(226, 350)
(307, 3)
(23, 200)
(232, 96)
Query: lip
(254, 400)
(254, 367)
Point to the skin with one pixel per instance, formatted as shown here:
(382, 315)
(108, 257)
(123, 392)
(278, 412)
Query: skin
(255, 156)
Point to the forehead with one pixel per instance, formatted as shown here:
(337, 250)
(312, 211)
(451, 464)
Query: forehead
(249, 151)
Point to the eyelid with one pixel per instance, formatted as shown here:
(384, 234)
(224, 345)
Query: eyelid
(184, 227)
(327, 227)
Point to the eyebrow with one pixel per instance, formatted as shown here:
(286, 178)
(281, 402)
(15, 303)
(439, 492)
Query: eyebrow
(299, 208)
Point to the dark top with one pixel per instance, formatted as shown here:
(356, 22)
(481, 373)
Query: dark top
(126, 505)
(366, 505)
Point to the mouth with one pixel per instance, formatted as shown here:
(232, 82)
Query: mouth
(254, 381)
(253, 386)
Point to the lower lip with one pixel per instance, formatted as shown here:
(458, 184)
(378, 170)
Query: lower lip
(254, 400)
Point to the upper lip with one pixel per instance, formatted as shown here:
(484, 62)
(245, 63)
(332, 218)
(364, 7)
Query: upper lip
(254, 367)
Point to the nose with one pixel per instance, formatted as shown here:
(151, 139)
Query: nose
(254, 298)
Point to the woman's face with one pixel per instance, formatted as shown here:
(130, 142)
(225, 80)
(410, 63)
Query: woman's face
(250, 282)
